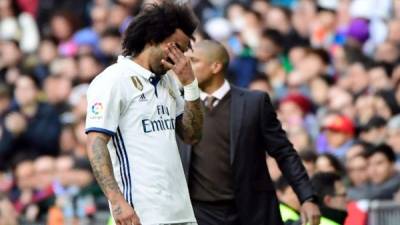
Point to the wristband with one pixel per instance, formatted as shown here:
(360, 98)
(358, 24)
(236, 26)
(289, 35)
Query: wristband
(191, 91)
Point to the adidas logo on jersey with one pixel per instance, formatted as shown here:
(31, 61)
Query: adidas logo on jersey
(142, 98)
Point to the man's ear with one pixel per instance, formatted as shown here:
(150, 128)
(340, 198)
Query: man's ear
(216, 67)
(327, 200)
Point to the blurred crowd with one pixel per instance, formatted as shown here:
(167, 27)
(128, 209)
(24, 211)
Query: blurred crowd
(330, 66)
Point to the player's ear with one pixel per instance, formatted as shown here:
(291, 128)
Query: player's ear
(216, 67)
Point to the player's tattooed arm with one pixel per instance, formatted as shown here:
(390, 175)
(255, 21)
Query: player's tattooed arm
(189, 125)
(100, 160)
(101, 165)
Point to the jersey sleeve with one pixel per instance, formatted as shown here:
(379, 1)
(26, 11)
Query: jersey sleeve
(104, 101)
(180, 102)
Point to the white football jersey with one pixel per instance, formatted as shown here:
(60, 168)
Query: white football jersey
(139, 111)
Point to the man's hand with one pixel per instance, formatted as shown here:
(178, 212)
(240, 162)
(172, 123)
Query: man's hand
(15, 123)
(180, 64)
(309, 213)
(124, 214)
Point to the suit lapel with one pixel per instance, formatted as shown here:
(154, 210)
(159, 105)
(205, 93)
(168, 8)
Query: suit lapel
(236, 114)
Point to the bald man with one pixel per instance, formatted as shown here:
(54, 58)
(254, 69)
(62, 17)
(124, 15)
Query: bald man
(228, 179)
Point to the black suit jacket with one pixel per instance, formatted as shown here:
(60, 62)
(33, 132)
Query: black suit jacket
(254, 130)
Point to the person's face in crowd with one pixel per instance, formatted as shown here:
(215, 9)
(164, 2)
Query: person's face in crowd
(65, 67)
(298, 136)
(358, 77)
(396, 9)
(44, 168)
(88, 68)
(375, 135)
(354, 151)
(47, 52)
(10, 54)
(159, 52)
(261, 7)
(80, 107)
(118, 14)
(235, 14)
(319, 91)
(289, 197)
(276, 19)
(339, 60)
(110, 46)
(261, 85)
(394, 31)
(381, 108)
(67, 140)
(24, 174)
(379, 79)
(336, 138)
(6, 9)
(296, 55)
(338, 200)
(302, 17)
(311, 66)
(357, 170)
(266, 50)
(25, 91)
(386, 52)
(326, 20)
(290, 113)
(251, 33)
(393, 139)
(323, 164)
(99, 17)
(365, 108)
(57, 89)
(380, 169)
(341, 101)
(64, 164)
(61, 28)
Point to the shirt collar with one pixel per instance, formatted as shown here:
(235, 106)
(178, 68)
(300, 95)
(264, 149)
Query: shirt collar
(127, 60)
(219, 93)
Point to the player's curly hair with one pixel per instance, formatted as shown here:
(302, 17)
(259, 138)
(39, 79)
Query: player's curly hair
(155, 23)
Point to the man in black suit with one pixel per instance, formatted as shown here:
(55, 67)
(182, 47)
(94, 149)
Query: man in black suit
(228, 179)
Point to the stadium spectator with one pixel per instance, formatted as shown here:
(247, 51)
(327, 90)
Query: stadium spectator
(357, 173)
(383, 179)
(31, 128)
(11, 61)
(327, 162)
(374, 131)
(331, 193)
(394, 136)
(339, 131)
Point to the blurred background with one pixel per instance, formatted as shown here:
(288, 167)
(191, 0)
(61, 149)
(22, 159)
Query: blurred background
(331, 68)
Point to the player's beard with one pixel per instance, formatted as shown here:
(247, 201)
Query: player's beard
(159, 70)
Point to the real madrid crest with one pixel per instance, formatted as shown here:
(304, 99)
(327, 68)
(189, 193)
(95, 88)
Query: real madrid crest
(137, 83)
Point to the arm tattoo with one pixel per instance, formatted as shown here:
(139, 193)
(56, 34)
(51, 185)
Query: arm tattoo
(102, 168)
(117, 211)
(189, 127)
